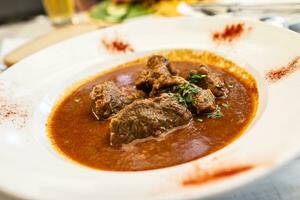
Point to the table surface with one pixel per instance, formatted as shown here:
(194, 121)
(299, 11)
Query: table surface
(283, 184)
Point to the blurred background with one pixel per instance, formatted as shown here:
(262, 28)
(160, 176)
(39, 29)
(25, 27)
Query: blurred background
(14, 10)
(27, 26)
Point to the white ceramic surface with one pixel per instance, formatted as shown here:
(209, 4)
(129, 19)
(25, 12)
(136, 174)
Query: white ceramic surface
(30, 168)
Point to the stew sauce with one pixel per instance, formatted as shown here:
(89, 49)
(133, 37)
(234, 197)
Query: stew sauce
(76, 133)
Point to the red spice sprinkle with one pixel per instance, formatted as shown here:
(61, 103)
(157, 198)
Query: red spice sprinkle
(14, 113)
(117, 45)
(276, 74)
(230, 33)
(200, 176)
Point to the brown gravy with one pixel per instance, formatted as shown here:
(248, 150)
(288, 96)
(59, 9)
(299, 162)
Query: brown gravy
(78, 135)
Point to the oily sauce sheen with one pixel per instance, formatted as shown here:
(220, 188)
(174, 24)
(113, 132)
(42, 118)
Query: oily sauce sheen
(77, 134)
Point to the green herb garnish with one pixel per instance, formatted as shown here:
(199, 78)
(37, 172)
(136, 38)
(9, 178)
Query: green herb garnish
(179, 98)
(187, 88)
(195, 78)
(225, 105)
(186, 92)
(217, 114)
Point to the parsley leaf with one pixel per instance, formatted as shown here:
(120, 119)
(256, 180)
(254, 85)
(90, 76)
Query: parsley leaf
(217, 114)
(179, 98)
(195, 78)
(186, 92)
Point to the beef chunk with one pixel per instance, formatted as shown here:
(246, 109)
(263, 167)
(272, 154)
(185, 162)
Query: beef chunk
(144, 81)
(211, 81)
(159, 75)
(204, 101)
(165, 84)
(130, 94)
(148, 117)
(195, 98)
(108, 99)
(157, 66)
(157, 60)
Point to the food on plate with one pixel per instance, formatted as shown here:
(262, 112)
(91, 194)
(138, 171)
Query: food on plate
(148, 117)
(206, 79)
(113, 11)
(108, 99)
(154, 112)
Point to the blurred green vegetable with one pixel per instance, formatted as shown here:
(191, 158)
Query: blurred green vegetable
(99, 11)
(112, 12)
(136, 10)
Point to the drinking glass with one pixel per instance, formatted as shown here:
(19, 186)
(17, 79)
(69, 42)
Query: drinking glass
(60, 12)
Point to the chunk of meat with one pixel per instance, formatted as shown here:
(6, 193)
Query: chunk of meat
(204, 101)
(195, 98)
(131, 94)
(148, 117)
(108, 99)
(159, 75)
(144, 81)
(211, 81)
(156, 60)
(165, 84)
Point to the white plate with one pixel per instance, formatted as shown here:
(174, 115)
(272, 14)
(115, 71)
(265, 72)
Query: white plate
(30, 168)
